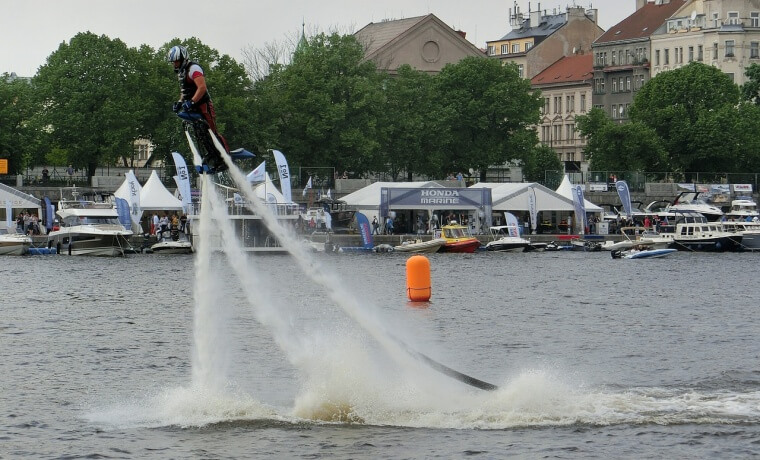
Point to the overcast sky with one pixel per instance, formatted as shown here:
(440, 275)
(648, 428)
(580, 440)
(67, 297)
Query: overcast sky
(32, 29)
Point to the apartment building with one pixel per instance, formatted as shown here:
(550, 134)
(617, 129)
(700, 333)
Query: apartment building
(566, 88)
(540, 38)
(721, 33)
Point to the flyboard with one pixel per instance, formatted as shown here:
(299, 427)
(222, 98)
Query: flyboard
(213, 162)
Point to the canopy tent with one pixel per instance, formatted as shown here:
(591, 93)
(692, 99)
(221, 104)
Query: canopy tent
(16, 200)
(514, 196)
(368, 198)
(566, 189)
(267, 191)
(155, 197)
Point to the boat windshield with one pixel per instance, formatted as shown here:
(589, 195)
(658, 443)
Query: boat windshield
(91, 220)
(455, 232)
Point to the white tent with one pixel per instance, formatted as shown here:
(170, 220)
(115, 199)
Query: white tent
(267, 191)
(566, 189)
(367, 199)
(513, 196)
(17, 200)
(155, 197)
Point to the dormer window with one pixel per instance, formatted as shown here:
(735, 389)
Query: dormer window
(733, 18)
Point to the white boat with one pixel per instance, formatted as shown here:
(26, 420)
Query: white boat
(693, 232)
(420, 246)
(89, 225)
(504, 239)
(743, 208)
(642, 253)
(621, 245)
(687, 202)
(14, 244)
(749, 231)
(170, 245)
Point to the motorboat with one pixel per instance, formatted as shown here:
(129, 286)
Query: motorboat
(89, 225)
(14, 244)
(642, 253)
(687, 202)
(458, 238)
(621, 245)
(749, 231)
(420, 246)
(743, 208)
(175, 243)
(693, 232)
(505, 238)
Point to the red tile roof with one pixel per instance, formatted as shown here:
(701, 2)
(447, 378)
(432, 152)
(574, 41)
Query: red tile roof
(641, 23)
(577, 68)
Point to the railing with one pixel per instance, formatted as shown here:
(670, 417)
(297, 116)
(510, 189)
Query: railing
(637, 180)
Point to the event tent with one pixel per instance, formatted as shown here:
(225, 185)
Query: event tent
(566, 189)
(367, 199)
(16, 200)
(513, 196)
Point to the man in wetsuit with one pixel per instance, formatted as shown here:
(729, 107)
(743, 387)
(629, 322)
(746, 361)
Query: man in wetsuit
(194, 96)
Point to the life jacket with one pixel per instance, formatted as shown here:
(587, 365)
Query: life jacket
(188, 86)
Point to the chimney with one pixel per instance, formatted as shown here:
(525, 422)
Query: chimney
(640, 4)
(593, 14)
(535, 18)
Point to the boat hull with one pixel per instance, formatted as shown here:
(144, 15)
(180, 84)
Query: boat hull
(649, 254)
(99, 244)
(466, 246)
(14, 248)
(717, 244)
(172, 248)
(423, 247)
(507, 247)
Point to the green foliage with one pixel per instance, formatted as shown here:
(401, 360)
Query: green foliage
(751, 88)
(541, 158)
(614, 146)
(679, 105)
(488, 111)
(15, 111)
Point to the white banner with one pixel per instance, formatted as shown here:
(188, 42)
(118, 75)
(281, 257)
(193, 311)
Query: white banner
(258, 174)
(8, 215)
(282, 168)
(533, 209)
(308, 186)
(183, 181)
(135, 211)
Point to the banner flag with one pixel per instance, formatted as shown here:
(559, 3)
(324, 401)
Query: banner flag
(580, 207)
(122, 208)
(133, 187)
(533, 209)
(49, 214)
(308, 186)
(258, 174)
(625, 197)
(364, 230)
(9, 214)
(512, 224)
(282, 168)
(183, 181)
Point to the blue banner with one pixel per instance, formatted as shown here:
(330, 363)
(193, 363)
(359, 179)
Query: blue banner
(49, 214)
(364, 230)
(625, 197)
(122, 207)
(580, 206)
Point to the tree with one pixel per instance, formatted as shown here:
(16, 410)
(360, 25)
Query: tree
(93, 98)
(322, 109)
(541, 159)
(614, 146)
(488, 110)
(751, 88)
(15, 113)
(679, 105)
(411, 138)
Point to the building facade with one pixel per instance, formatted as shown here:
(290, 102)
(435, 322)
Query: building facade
(566, 88)
(541, 38)
(622, 56)
(721, 33)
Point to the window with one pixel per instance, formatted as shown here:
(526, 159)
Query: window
(583, 103)
(614, 58)
(570, 132)
(716, 20)
(505, 49)
(730, 75)
(570, 103)
(490, 50)
(733, 17)
(546, 105)
(656, 57)
(715, 51)
(754, 50)
(521, 70)
(691, 53)
(680, 55)
(627, 83)
(614, 111)
(754, 19)
(700, 53)
(614, 85)
(729, 48)
(528, 45)
(667, 57)
(558, 132)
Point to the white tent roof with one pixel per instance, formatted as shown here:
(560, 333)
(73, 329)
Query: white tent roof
(566, 189)
(268, 192)
(123, 190)
(513, 196)
(155, 197)
(368, 198)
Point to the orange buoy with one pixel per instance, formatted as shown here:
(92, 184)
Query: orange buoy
(418, 287)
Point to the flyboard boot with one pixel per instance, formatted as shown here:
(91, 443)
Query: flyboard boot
(210, 147)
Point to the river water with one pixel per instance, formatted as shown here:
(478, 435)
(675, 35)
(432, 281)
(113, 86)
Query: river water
(593, 357)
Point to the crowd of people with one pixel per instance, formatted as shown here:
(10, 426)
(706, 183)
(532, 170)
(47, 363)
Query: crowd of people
(172, 225)
(28, 224)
